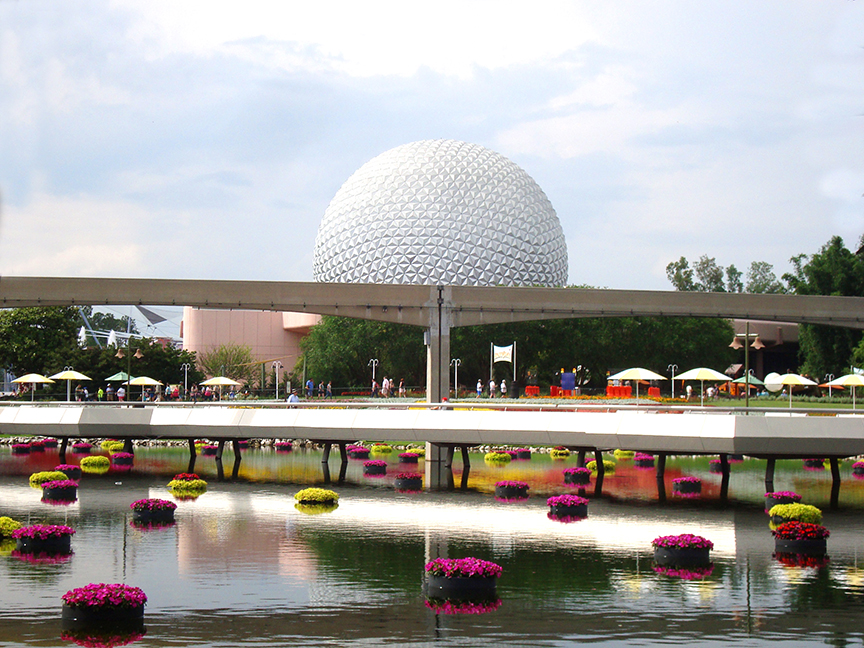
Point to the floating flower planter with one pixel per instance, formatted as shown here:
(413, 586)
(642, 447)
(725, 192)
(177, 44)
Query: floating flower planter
(511, 490)
(801, 537)
(559, 452)
(375, 467)
(685, 550)
(37, 446)
(409, 457)
(187, 486)
(687, 486)
(112, 445)
(62, 490)
(153, 511)
(571, 506)
(104, 605)
(39, 478)
(95, 465)
(49, 443)
(358, 452)
(735, 458)
(780, 497)
(209, 450)
(7, 526)
(523, 453)
(462, 579)
(621, 455)
(608, 466)
(643, 460)
(313, 501)
(577, 476)
(44, 538)
(408, 482)
(814, 464)
(243, 444)
(20, 448)
(283, 446)
(381, 448)
(81, 448)
(684, 573)
(858, 468)
(715, 466)
(122, 459)
(71, 471)
(781, 513)
(444, 606)
(497, 458)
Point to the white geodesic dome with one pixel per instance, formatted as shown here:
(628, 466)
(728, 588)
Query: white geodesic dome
(441, 212)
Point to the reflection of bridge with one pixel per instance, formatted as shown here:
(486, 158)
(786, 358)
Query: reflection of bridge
(584, 428)
(436, 308)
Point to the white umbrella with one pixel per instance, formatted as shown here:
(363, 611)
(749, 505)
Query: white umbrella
(32, 379)
(219, 381)
(790, 380)
(637, 374)
(69, 375)
(849, 380)
(702, 374)
(144, 381)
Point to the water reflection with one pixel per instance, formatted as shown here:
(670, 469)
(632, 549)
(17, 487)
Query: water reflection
(243, 566)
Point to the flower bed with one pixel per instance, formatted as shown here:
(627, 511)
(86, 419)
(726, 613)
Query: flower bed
(375, 467)
(39, 478)
(44, 538)
(608, 466)
(801, 537)
(316, 496)
(49, 442)
(523, 453)
(781, 513)
(381, 448)
(511, 490)
(687, 485)
(643, 460)
(122, 458)
(358, 452)
(407, 482)
(81, 447)
(95, 465)
(624, 454)
(568, 506)
(112, 445)
(577, 476)
(61, 490)
(559, 452)
(858, 468)
(187, 485)
(21, 448)
(499, 458)
(409, 457)
(684, 550)
(283, 446)
(113, 605)
(71, 471)
(37, 446)
(780, 497)
(715, 466)
(153, 511)
(461, 578)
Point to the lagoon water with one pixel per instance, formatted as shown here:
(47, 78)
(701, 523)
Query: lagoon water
(243, 567)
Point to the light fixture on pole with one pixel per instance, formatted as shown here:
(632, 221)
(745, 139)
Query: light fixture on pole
(673, 368)
(756, 344)
(455, 362)
(373, 363)
(185, 367)
(277, 367)
(828, 378)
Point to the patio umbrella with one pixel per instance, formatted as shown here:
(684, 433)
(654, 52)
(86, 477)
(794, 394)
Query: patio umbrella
(749, 381)
(32, 379)
(702, 374)
(849, 380)
(121, 376)
(637, 374)
(790, 380)
(220, 381)
(69, 375)
(144, 381)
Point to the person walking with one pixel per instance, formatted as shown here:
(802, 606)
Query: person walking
(492, 387)
(329, 393)
(479, 388)
(503, 388)
(310, 388)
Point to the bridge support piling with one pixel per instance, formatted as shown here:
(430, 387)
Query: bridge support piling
(769, 475)
(448, 462)
(220, 469)
(127, 446)
(235, 471)
(724, 481)
(580, 459)
(64, 443)
(835, 483)
(325, 458)
(192, 456)
(601, 471)
(438, 474)
(661, 477)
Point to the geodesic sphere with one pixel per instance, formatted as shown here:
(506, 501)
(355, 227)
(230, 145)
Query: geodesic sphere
(441, 212)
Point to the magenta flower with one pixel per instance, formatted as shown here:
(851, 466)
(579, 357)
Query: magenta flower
(60, 483)
(152, 504)
(375, 462)
(43, 531)
(512, 484)
(795, 497)
(105, 594)
(689, 479)
(408, 475)
(577, 471)
(683, 541)
(463, 567)
(566, 500)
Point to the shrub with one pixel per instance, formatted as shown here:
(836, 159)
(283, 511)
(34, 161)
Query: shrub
(183, 486)
(316, 496)
(498, 457)
(7, 526)
(624, 454)
(798, 512)
(96, 461)
(39, 478)
(381, 448)
(608, 466)
(112, 445)
(559, 453)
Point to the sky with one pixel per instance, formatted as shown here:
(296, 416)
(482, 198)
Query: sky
(192, 139)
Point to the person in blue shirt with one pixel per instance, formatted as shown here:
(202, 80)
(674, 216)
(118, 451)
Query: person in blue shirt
(310, 387)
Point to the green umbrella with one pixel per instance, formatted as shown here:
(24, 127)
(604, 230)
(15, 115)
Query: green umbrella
(119, 376)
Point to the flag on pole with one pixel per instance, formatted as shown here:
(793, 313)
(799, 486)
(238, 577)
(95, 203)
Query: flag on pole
(502, 354)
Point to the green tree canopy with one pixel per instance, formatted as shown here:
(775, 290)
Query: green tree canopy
(38, 339)
(232, 360)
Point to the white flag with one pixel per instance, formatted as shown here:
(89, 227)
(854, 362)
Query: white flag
(82, 337)
(112, 339)
(502, 354)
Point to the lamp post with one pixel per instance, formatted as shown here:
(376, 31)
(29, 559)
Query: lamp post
(757, 344)
(128, 356)
(828, 378)
(455, 362)
(673, 368)
(277, 367)
(373, 363)
(185, 367)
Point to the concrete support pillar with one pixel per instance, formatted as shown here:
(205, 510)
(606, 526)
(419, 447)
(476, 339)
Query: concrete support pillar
(724, 481)
(661, 477)
(769, 475)
(835, 483)
(438, 345)
(438, 473)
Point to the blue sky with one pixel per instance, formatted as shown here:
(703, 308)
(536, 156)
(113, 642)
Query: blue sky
(205, 139)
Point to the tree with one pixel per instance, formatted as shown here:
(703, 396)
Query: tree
(733, 280)
(680, 275)
(38, 339)
(833, 270)
(232, 360)
(761, 279)
(709, 275)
